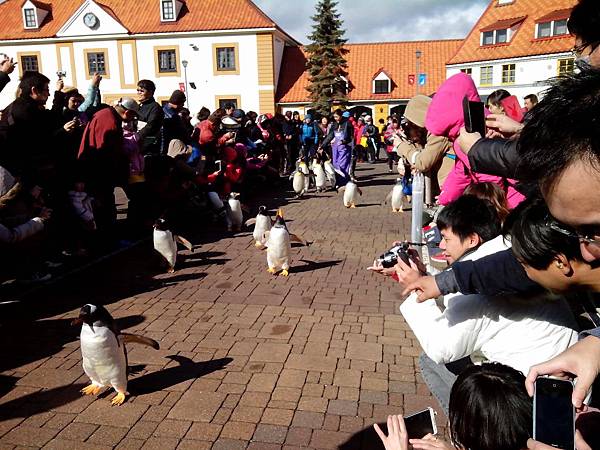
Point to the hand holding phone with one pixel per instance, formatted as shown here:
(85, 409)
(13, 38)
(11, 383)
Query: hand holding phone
(553, 413)
(474, 116)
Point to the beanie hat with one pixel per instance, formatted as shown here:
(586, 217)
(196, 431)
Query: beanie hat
(416, 110)
(177, 98)
(308, 117)
(238, 114)
(346, 114)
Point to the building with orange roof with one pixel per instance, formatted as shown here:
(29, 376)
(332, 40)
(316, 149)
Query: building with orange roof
(517, 45)
(228, 50)
(382, 76)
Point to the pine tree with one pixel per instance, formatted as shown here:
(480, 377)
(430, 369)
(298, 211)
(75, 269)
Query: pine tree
(326, 64)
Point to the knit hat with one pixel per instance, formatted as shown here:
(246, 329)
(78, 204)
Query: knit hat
(416, 110)
(177, 98)
(346, 114)
(178, 149)
(308, 117)
(238, 114)
(129, 104)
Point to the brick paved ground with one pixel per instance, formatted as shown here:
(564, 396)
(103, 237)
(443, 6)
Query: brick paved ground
(247, 360)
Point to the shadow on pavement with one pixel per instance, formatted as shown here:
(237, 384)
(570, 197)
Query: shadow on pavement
(310, 266)
(366, 439)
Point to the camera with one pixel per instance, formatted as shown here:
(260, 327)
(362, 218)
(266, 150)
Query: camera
(61, 74)
(390, 258)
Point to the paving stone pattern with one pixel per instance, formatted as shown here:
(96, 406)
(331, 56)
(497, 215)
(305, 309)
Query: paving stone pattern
(247, 360)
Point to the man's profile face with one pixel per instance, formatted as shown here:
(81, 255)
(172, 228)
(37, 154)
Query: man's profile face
(42, 95)
(574, 200)
(528, 104)
(452, 246)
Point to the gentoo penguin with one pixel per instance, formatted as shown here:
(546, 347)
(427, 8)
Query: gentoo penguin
(165, 243)
(262, 223)
(330, 172)
(306, 171)
(350, 194)
(279, 246)
(234, 211)
(298, 182)
(396, 195)
(103, 351)
(320, 177)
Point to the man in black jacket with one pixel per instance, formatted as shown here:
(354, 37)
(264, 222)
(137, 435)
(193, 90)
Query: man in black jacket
(7, 66)
(151, 113)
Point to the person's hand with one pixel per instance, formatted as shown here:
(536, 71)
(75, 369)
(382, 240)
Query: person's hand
(425, 287)
(467, 140)
(70, 125)
(397, 438)
(7, 66)
(580, 444)
(503, 124)
(430, 442)
(407, 274)
(60, 84)
(45, 213)
(378, 268)
(581, 360)
(96, 79)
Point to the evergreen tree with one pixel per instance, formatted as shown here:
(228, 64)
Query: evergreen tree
(326, 64)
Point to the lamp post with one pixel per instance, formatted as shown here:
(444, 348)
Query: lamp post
(418, 54)
(184, 63)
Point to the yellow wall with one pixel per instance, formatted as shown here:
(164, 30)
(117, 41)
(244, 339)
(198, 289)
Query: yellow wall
(380, 111)
(266, 73)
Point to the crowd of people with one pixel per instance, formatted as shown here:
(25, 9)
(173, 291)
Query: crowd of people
(519, 230)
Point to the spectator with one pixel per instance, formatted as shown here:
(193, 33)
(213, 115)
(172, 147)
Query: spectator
(229, 108)
(494, 101)
(174, 126)
(291, 139)
(340, 138)
(530, 101)
(186, 117)
(359, 140)
(323, 130)
(372, 134)
(7, 66)
(152, 115)
(392, 133)
(493, 194)
(203, 114)
(309, 138)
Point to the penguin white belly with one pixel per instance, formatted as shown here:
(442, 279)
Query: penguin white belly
(330, 172)
(263, 224)
(104, 359)
(397, 198)
(298, 182)
(320, 179)
(350, 195)
(278, 249)
(236, 215)
(164, 243)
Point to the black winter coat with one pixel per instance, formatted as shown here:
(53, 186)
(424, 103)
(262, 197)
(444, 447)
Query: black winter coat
(150, 136)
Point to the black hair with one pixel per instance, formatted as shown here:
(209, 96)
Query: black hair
(252, 115)
(203, 114)
(148, 85)
(585, 21)
(496, 97)
(533, 98)
(30, 80)
(469, 215)
(534, 241)
(338, 112)
(562, 129)
(490, 408)
(229, 105)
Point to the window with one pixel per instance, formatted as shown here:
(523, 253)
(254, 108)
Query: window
(560, 27)
(554, 28)
(168, 10)
(226, 58)
(544, 30)
(502, 36)
(96, 60)
(468, 71)
(566, 66)
(508, 73)
(494, 37)
(30, 18)
(382, 86)
(30, 63)
(488, 38)
(167, 61)
(486, 77)
(224, 101)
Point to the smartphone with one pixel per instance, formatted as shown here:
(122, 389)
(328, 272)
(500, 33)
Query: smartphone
(553, 413)
(474, 116)
(218, 166)
(420, 424)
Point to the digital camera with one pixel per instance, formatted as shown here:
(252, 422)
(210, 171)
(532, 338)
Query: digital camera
(390, 258)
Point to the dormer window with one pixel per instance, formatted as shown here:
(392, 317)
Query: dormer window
(30, 19)
(500, 32)
(34, 14)
(495, 37)
(553, 24)
(382, 83)
(169, 10)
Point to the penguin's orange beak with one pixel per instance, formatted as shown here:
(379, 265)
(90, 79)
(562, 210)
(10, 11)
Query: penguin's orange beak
(280, 212)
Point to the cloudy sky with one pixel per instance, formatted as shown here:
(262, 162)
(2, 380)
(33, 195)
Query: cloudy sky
(382, 20)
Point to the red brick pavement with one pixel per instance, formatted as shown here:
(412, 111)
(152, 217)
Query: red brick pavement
(247, 360)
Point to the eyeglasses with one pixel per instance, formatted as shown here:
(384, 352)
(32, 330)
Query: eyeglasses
(592, 237)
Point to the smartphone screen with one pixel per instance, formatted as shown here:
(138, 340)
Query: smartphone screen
(421, 424)
(474, 116)
(553, 413)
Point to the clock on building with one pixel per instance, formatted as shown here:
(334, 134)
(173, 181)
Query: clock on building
(90, 20)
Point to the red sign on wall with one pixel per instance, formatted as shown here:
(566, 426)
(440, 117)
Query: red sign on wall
(182, 87)
(411, 79)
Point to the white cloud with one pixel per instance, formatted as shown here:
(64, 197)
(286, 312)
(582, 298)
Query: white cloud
(382, 20)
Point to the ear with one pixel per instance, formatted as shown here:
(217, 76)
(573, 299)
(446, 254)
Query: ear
(473, 240)
(563, 265)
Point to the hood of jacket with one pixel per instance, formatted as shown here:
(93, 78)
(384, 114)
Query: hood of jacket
(445, 113)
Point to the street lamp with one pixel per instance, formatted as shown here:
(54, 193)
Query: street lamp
(184, 63)
(418, 54)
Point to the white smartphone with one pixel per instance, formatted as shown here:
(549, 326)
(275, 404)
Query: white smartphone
(218, 165)
(553, 413)
(421, 424)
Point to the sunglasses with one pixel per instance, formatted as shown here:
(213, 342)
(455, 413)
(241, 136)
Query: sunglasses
(592, 237)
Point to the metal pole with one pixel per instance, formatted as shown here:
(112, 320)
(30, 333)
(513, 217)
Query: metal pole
(418, 57)
(187, 100)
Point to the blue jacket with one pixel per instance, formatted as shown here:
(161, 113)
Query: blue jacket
(309, 133)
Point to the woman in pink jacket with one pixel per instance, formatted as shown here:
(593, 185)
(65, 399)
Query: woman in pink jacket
(445, 118)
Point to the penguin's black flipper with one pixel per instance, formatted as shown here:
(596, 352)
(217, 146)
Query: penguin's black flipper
(136, 338)
(299, 239)
(359, 191)
(250, 222)
(388, 198)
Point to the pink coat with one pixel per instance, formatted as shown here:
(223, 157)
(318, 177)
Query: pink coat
(445, 118)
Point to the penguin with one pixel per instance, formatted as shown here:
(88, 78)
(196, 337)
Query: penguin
(298, 183)
(330, 173)
(165, 243)
(103, 351)
(396, 196)
(262, 223)
(320, 177)
(234, 211)
(350, 191)
(305, 170)
(279, 246)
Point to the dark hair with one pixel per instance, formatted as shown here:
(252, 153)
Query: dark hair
(338, 112)
(493, 194)
(497, 96)
(469, 215)
(490, 408)
(534, 242)
(562, 129)
(203, 114)
(252, 115)
(228, 105)
(217, 115)
(585, 21)
(148, 85)
(532, 98)
(30, 80)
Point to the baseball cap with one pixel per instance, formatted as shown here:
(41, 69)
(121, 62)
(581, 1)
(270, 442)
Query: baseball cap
(129, 104)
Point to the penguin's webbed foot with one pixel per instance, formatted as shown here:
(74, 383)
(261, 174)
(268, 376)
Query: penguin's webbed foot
(118, 399)
(352, 205)
(171, 269)
(284, 273)
(92, 389)
(271, 270)
(258, 244)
